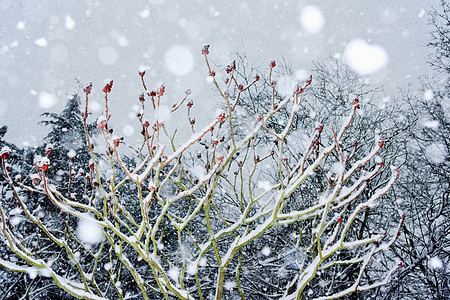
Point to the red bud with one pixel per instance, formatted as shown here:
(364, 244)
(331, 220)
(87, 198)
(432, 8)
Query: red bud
(205, 50)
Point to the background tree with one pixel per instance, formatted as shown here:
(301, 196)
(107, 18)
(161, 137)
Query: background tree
(66, 135)
(424, 190)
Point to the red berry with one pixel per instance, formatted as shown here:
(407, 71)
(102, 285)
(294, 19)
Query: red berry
(108, 87)
(272, 64)
(101, 122)
(308, 82)
(141, 97)
(116, 142)
(88, 89)
(4, 153)
(190, 103)
(161, 90)
(48, 150)
(339, 220)
(205, 50)
(396, 172)
(220, 158)
(257, 77)
(221, 117)
(45, 163)
(141, 73)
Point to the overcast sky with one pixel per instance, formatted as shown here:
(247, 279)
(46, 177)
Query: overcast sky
(46, 46)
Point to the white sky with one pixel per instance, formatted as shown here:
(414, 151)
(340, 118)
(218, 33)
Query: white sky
(45, 45)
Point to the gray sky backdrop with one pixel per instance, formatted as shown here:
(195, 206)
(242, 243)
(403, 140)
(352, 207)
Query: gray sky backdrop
(45, 45)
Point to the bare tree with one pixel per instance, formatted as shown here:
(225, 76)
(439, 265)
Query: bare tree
(215, 215)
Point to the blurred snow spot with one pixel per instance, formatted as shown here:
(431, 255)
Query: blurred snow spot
(143, 68)
(229, 285)
(436, 153)
(89, 232)
(431, 124)
(94, 106)
(163, 113)
(301, 75)
(265, 185)
(14, 44)
(191, 269)
(337, 55)
(199, 172)
(435, 263)
(41, 42)
(15, 220)
(174, 273)
(428, 95)
(47, 100)
(33, 92)
(71, 154)
(312, 19)
(145, 13)
(364, 58)
(209, 79)
(422, 13)
(59, 53)
(20, 25)
(266, 251)
(69, 22)
(160, 246)
(108, 55)
(179, 60)
(286, 85)
(122, 41)
(107, 266)
(128, 130)
(202, 262)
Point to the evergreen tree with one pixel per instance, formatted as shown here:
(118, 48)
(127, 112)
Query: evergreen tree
(66, 144)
